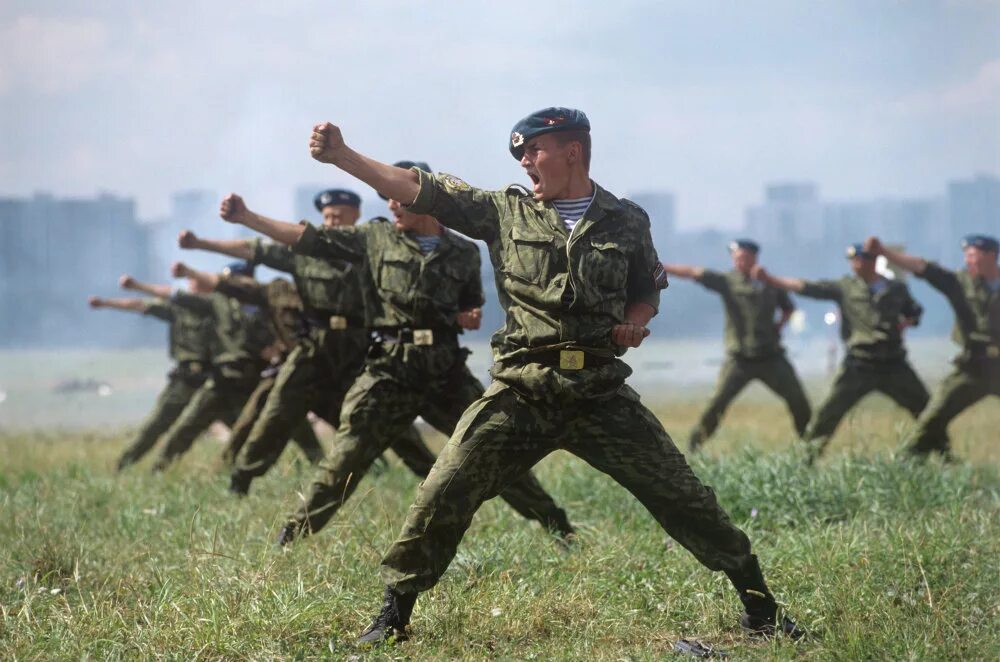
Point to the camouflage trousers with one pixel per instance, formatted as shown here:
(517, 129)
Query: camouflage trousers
(409, 381)
(172, 400)
(964, 387)
(855, 380)
(302, 434)
(502, 435)
(219, 399)
(776, 372)
(315, 377)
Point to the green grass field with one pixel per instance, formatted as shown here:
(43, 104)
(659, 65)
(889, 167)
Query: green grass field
(876, 557)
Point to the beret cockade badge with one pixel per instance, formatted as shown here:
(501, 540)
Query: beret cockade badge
(516, 139)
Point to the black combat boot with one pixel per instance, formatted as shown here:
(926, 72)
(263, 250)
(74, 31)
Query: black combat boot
(239, 484)
(760, 611)
(391, 621)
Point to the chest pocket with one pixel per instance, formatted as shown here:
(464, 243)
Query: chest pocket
(324, 284)
(397, 272)
(530, 256)
(605, 264)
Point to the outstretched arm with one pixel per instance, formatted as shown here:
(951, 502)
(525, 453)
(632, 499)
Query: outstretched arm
(206, 279)
(683, 270)
(238, 248)
(327, 146)
(234, 210)
(154, 290)
(133, 305)
(911, 263)
(788, 284)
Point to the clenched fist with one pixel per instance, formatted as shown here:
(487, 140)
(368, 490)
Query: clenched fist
(470, 319)
(873, 246)
(326, 142)
(233, 209)
(126, 282)
(95, 302)
(178, 270)
(628, 334)
(187, 239)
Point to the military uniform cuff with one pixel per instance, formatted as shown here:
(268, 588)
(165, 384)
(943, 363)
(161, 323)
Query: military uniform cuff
(424, 201)
(307, 242)
(255, 246)
(652, 300)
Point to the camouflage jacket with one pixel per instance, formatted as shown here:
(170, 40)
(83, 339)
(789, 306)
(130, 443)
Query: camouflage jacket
(329, 287)
(190, 334)
(977, 310)
(240, 332)
(411, 289)
(558, 290)
(751, 329)
(869, 322)
(279, 300)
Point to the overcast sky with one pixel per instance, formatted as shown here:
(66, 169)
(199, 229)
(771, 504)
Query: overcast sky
(707, 99)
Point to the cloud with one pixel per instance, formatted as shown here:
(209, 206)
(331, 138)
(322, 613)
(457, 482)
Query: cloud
(52, 55)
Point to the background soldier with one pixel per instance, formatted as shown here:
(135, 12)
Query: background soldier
(283, 308)
(189, 338)
(874, 312)
(579, 280)
(333, 342)
(974, 295)
(428, 288)
(240, 338)
(753, 339)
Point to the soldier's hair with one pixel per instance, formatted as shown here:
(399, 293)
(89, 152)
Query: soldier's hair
(582, 137)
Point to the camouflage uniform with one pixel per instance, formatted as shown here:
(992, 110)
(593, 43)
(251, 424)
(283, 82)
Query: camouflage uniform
(558, 383)
(283, 307)
(977, 368)
(876, 358)
(239, 336)
(418, 369)
(331, 349)
(189, 348)
(754, 351)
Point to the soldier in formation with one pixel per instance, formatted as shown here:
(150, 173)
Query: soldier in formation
(874, 313)
(189, 348)
(579, 280)
(755, 315)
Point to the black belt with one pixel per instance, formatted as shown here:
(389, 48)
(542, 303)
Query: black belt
(408, 336)
(568, 359)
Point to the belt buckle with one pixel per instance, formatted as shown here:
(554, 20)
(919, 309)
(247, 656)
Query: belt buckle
(423, 336)
(993, 351)
(570, 359)
(338, 322)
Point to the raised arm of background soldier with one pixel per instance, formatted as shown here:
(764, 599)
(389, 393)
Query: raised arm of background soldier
(197, 303)
(911, 263)
(683, 271)
(238, 248)
(206, 279)
(758, 272)
(326, 144)
(126, 282)
(234, 210)
(131, 305)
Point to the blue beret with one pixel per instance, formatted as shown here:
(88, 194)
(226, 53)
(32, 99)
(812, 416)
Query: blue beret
(982, 242)
(547, 120)
(745, 244)
(336, 196)
(240, 268)
(857, 250)
(419, 165)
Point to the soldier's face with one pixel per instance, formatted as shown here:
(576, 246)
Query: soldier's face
(978, 262)
(336, 216)
(863, 266)
(403, 218)
(549, 165)
(744, 260)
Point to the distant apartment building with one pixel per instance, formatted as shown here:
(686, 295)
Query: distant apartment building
(973, 207)
(54, 253)
(662, 210)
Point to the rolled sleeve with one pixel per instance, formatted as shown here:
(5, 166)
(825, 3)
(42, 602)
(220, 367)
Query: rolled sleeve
(712, 280)
(160, 309)
(340, 243)
(821, 289)
(274, 255)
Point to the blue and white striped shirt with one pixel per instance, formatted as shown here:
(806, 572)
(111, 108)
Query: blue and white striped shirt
(572, 210)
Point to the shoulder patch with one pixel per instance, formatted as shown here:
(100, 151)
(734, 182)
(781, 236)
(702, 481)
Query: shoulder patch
(660, 277)
(454, 183)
